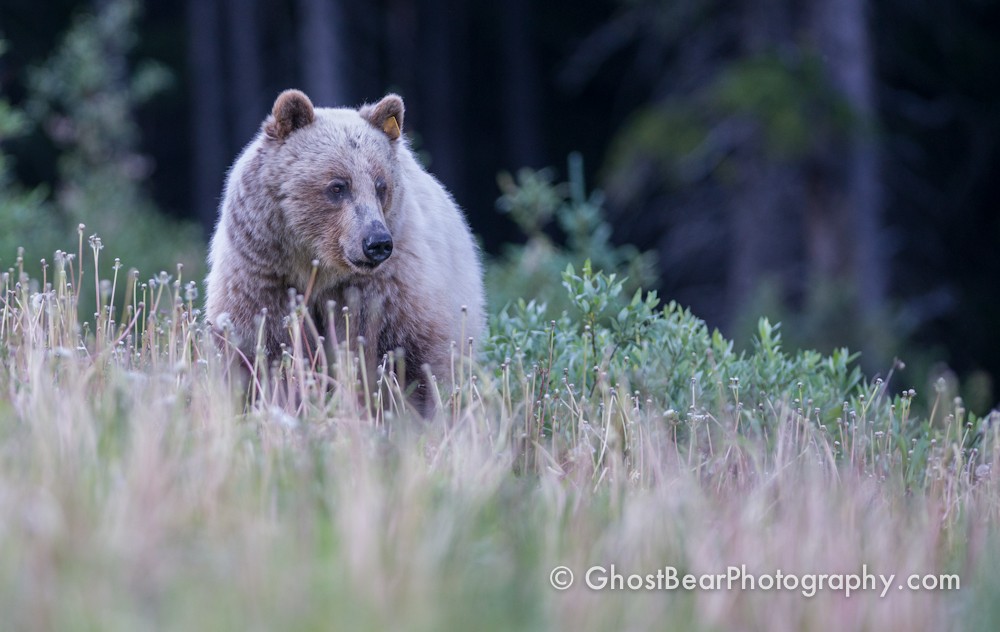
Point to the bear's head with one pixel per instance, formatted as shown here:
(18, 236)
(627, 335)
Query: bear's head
(335, 174)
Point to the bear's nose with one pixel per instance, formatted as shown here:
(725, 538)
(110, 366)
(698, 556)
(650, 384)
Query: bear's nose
(377, 247)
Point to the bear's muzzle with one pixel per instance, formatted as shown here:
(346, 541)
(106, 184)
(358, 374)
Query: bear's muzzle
(377, 245)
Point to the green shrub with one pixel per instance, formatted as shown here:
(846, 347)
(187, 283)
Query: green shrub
(533, 270)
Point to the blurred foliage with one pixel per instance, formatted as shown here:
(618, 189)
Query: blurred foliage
(84, 97)
(532, 270)
(786, 99)
(24, 213)
(789, 97)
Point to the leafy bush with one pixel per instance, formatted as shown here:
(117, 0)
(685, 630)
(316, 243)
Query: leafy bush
(667, 354)
(532, 270)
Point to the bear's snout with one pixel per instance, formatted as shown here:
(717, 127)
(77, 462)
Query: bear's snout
(377, 245)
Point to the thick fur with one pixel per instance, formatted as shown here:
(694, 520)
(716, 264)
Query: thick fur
(310, 186)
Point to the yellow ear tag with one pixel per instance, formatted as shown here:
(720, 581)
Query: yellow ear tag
(391, 128)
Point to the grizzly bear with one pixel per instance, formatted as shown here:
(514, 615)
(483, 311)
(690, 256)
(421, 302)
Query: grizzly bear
(331, 204)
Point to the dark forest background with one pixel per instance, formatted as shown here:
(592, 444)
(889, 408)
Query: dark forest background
(834, 164)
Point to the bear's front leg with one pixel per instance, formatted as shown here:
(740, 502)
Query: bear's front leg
(259, 322)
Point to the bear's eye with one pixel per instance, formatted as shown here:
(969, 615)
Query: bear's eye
(380, 188)
(337, 189)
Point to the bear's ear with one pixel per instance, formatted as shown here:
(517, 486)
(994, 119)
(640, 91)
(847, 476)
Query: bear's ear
(386, 115)
(292, 110)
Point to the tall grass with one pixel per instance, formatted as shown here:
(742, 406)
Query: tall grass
(141, 488)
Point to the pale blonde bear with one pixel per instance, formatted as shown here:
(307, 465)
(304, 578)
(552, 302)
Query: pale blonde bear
(341, 187)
